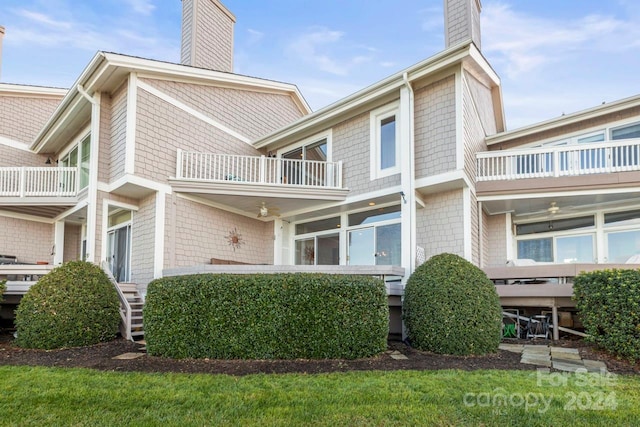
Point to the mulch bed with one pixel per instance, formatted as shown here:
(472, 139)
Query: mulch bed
(100, 357)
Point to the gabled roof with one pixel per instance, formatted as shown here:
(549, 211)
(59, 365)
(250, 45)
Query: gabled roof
(107, 71)
(568, 119)
(462, 53)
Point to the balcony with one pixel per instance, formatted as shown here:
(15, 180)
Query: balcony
(41, 191)
(261, 170)
(559, 161)
(244, 183)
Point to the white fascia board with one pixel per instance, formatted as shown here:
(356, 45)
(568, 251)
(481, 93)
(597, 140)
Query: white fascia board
(392, 83)
(143, 65)
(600, 110)
(558, 194)
(26, 217)
(60, 114)
(7, 89)
(14, 144)
(135, 180)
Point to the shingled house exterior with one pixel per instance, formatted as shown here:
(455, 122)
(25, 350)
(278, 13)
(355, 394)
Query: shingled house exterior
(159, 168)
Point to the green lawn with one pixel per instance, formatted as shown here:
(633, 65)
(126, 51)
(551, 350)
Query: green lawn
(52, 396)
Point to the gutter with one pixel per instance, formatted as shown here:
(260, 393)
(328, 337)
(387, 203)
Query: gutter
(375, 91)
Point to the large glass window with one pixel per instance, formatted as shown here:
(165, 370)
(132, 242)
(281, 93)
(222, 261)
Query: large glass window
(622, 245)
(385, 141)
(297, 171)
(388, 143)
(373, 237)
(79, 157)
(626, 132)
(562, 240)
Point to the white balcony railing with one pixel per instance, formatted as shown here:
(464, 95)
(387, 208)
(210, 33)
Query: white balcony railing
(38, 182)
(192, 166)
(559, 161)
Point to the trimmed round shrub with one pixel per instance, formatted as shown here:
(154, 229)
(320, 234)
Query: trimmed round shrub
(74, 305)
(609, 305)
(451, 307)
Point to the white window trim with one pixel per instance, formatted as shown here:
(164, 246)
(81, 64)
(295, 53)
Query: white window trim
(375, 118)
(80, 136)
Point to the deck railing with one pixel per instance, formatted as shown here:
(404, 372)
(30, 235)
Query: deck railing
(192, 166)
(559, 161)
(38, 182)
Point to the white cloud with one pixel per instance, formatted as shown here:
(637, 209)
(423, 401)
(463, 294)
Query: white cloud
(326, 50)
(525, 43)
(41, 18)
(143, 7)
(255, 36)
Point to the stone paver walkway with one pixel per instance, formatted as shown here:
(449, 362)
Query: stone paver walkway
(560, 358)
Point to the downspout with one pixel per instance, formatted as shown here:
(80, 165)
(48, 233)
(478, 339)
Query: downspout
(92, 189)
(409, 184)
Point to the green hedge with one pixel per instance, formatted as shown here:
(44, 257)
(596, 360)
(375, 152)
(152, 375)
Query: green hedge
(451, 307)
(609, 304)
(3, 288)
(266, 316)
(73, 305)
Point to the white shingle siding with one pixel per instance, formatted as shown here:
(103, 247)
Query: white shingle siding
(143, 241)
(439, 226)
(435, 128)
(118, 134)
(22, 118)
(496, 236)
(201, 234)
(30, 241)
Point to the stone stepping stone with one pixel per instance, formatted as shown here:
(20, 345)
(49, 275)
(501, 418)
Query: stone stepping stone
(396, 355)
(513, 348)
(566, 356)
(565, 350)
(567, 367)
(536, 349)
(538, 361)
(595, 365)
(128, 356)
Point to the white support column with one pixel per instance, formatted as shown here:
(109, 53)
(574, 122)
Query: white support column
(467, 234)
(407, 181)
(158, 256)
(277, 241)
(509, 237)
(92, 191)
(58, 248)
(132, 106)
(481, 243)
(554, 315)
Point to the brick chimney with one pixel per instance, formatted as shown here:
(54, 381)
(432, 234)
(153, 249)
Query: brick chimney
(1, 37)
(207, 35)
(462, 22)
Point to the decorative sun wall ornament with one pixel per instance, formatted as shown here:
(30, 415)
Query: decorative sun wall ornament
(234, 239)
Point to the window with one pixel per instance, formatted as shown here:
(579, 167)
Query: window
(79, 157)
(622, 233)
(562, 241)
(307, 163)
(626, 132)
(372, 237)
(385, 141)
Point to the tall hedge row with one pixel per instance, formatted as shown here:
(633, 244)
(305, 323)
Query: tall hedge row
(270, 316)
(609, 304)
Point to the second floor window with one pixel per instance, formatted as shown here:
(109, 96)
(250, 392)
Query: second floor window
(385, 141)
(79, 157)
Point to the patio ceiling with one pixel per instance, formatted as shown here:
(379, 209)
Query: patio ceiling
(537, 205)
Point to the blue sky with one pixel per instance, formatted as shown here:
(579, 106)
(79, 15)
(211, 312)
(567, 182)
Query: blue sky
(553, 56)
